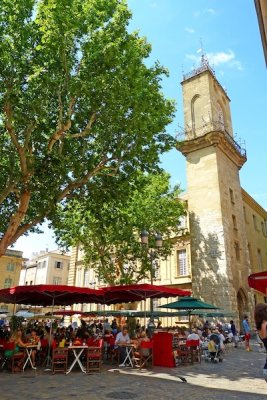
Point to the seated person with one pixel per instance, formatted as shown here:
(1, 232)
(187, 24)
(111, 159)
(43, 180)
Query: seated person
(193, 335)
(77, 341)
(34, 340)
(122, 338)
(16, 339)
(142, 338)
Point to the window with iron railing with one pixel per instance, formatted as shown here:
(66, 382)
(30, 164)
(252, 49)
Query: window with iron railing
(10, 267)
(57, 280)
(7, 283)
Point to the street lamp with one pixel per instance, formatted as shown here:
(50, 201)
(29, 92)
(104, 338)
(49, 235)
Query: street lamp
(152, 255)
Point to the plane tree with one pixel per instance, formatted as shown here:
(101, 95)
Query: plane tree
(78, 100)
(106, 225)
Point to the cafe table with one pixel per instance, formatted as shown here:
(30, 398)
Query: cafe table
(129, 352)
(29, 349)
(77, 352)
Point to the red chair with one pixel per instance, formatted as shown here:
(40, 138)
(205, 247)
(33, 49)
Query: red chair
(194, 349)
(144, 355)
(109, 342)
(12, 358)
(60, 360)
(94, 356)
(2, 357)
(114, 352)
(42, 353)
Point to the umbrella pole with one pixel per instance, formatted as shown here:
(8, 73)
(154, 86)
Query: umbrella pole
(48, 360)
(189, 319)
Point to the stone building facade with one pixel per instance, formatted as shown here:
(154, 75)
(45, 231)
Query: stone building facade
(46, 268)
(10, 267)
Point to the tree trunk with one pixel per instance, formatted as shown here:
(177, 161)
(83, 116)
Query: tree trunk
(9, 237)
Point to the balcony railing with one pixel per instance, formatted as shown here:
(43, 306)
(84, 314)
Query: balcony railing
(213, 126)
(203, 67)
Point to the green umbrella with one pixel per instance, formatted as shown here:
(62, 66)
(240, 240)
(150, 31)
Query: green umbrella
(190, 304)
(131, 313)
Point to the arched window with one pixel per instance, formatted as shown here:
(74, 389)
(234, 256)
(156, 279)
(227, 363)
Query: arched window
(220, 116)
(194, 115)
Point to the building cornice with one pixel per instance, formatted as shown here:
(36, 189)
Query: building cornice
(215, 139)
(253, 204)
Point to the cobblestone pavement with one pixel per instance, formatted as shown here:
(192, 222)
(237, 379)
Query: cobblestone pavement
(237, 377)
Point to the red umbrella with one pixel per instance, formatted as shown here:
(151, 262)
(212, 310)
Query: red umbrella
(68, 313)
(138, 292)
(49, 295)
(258, 281)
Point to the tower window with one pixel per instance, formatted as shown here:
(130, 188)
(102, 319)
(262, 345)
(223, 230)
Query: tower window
(255, 222)
(249, 253)
(245, 214)
(234, 222)
(260, 263)
(232, 196)
(263, 228)
(237, 251)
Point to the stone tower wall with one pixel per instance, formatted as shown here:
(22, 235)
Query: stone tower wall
(219, 255)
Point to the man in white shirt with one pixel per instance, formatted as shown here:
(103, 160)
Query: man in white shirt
(122, 338)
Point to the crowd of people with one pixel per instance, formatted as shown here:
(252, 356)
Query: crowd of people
(115, 333)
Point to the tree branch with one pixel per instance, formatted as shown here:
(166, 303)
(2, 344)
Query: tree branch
(21, 150)
(87, 129)
(3, 195)
(23, 229)
(78, 183)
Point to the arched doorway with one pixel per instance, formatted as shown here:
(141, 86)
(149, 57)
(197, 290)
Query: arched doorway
(242, 304)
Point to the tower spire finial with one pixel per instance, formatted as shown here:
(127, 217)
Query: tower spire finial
(204, 58)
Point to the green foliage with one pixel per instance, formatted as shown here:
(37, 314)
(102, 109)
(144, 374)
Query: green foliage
(16, 323)
(107, 222)
(76, 100)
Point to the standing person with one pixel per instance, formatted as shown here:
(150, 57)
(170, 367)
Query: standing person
(234, 332)
(246, 328)
(260, 316)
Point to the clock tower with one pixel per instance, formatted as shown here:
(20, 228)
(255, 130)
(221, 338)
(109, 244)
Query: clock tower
(219, 251)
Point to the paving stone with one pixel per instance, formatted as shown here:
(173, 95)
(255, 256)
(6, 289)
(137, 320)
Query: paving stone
(237, 377)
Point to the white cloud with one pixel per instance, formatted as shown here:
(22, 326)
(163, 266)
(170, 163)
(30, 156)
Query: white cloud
(210, 11)
(221, 57)
(190, 30)
(216, 59)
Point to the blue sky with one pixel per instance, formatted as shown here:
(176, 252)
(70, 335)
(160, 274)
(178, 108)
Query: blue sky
(229, 33)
